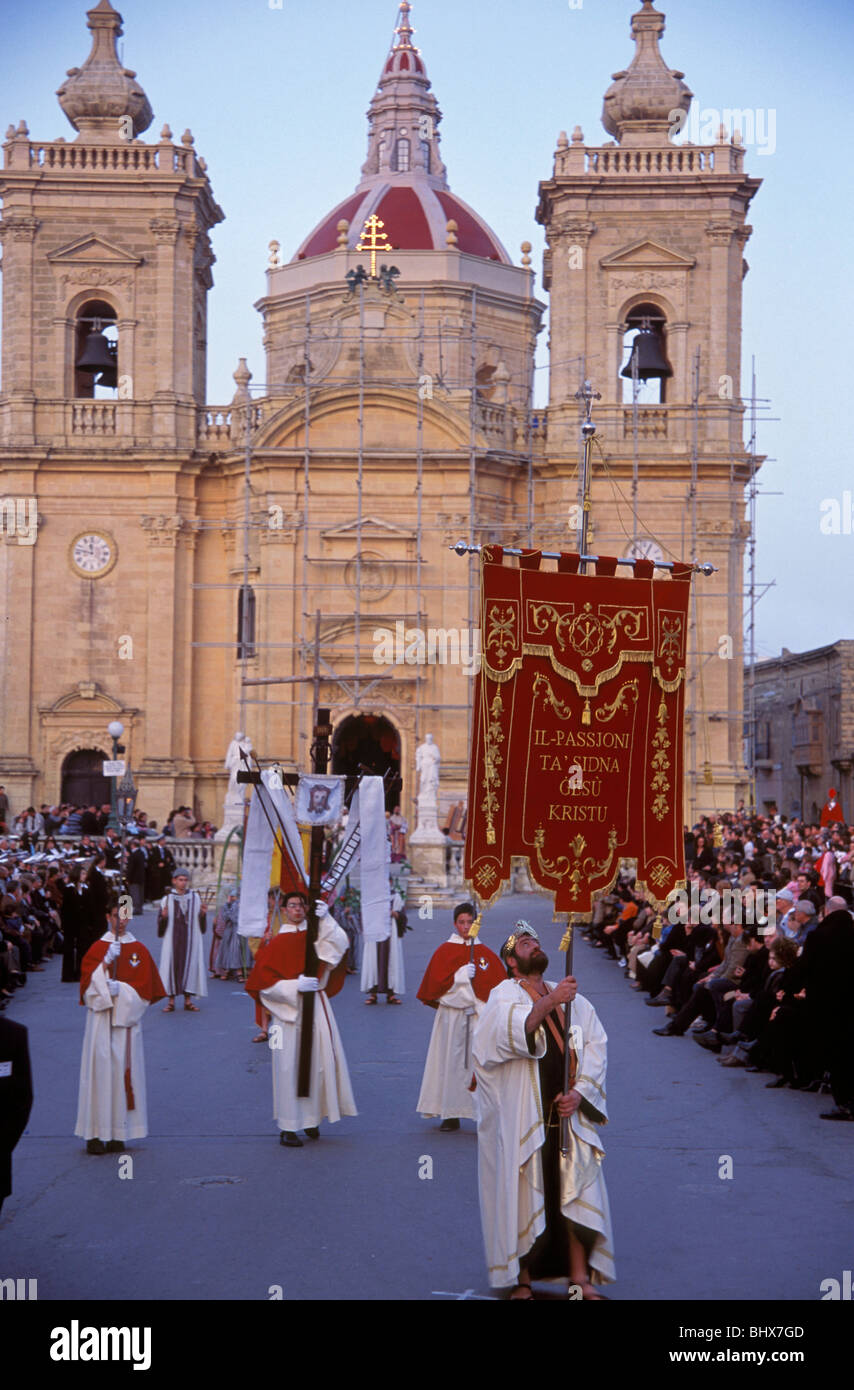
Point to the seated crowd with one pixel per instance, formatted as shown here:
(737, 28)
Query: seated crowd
(756, 959)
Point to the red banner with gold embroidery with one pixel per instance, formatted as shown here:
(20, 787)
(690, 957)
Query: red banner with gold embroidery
(577, 754)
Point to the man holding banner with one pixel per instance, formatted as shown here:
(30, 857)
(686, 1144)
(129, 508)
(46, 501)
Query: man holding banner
(278, 983)
(545, 1214)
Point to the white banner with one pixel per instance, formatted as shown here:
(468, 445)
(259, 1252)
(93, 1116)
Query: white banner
(258, 851)
(320, 800)
(375, 861)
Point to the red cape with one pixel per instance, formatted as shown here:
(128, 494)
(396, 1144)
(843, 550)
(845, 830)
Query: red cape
(831, 813)
(439, 975)
(135, 967)
(283, 958)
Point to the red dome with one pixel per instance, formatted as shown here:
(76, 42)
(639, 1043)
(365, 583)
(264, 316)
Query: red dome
(416, 218)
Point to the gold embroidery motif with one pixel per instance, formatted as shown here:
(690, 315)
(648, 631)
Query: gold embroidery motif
(501, 629)
(660, 784)
(542, 685)
(585, 870)
(492, 760)
(606, 714)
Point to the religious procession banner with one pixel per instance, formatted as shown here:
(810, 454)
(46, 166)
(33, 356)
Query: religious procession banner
(577, 751)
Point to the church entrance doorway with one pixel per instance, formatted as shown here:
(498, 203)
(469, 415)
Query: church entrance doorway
(369, 742)
(83, 783)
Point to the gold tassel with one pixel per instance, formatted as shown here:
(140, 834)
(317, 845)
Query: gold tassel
(585, 713)
(490, 835)
(566, 939)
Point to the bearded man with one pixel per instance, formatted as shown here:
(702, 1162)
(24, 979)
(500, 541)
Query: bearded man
(545, 1214)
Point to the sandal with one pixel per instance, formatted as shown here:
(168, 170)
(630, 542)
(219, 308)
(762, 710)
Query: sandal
(519, 1297)
(371, 999)
(261, 1037)
(589, 1294)
(170, 1009)
(192, 1008)
(393, 999)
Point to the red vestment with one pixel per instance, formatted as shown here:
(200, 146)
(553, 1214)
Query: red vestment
(446, 961)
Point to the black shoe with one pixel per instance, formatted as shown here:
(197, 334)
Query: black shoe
(711, 1040)
(658, 1001)
(289, 1140)
(115, 1146)
(95, 1146)
(448, 1126)
(776, 1083)
(733, 1060)
(313, 1133)
(809, 1086)
(841, 1113)
(668, 1031)
(732, 1037)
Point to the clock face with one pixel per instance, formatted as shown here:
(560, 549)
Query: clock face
(93, 554)
(646, 550)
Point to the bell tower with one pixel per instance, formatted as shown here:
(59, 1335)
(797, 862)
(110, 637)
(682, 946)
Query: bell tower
(106, 263)
(106, 272)
(645, 241)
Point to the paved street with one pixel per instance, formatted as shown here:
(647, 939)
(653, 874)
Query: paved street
(217, 1209)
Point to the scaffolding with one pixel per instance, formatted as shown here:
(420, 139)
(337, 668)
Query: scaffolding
(512, 434)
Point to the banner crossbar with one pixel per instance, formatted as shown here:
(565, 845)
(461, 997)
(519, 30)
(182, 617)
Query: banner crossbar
(464, 548)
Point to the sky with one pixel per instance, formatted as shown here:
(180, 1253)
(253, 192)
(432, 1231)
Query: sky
(276, 101)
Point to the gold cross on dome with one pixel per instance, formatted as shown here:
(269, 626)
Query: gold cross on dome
(373, 240)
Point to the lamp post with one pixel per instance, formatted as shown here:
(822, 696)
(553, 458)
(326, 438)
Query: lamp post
(115, 729)
(126, 800)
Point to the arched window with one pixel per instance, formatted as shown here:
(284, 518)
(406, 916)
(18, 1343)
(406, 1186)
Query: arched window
(245, 622)
(646, 320)
(96, 351)
(425, 155)
(382, 151)
(401, 157)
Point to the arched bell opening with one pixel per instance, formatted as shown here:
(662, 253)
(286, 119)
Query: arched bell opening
(96, 351)
(646, 366)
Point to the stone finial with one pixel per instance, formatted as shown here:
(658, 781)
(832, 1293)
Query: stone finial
(272, 262)
(166, 132)
(343, 232)
(101, 95)
(640, 103)
(526, 254)
(562, 141)
(187, 138)
(242, 376)
(578, 136)
(451, 238)
(10, 132)
(23, 131)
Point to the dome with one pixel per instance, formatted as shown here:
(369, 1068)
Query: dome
(415, 218)
(404, 181)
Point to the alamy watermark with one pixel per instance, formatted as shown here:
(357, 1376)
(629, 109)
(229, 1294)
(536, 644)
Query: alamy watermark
(433, 646)
(756, 126)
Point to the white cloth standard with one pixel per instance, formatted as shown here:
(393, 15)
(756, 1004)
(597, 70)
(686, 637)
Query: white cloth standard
(330, 1094)
(369, 978)
(102, 1108)
(511, 1133)
(374, 861)
(195, 975)
(445, 1085)
(258, 851)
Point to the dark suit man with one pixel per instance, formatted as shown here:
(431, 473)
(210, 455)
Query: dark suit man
(825, 969)
(135, 873)
(16, 1096)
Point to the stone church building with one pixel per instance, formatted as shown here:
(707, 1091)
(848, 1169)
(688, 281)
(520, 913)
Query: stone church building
(201, 568)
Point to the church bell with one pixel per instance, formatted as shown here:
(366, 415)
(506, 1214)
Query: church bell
(99, 357)
(648, 346)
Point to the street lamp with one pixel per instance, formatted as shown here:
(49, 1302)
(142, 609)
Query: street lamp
(115, 729)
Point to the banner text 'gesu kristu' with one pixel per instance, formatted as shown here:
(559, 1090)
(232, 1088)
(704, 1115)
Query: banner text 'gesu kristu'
(588, 670)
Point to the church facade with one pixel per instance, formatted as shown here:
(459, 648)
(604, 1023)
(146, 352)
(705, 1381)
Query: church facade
(196, 569)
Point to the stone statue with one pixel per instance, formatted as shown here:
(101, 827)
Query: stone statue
(235, 792)
(427, 760)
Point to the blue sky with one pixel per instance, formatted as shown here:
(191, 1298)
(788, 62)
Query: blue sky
(276, 100)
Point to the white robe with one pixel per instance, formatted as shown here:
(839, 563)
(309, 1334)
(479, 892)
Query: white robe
(330, 1093)
(396, 978)
(196, 977)
(102, 1111)
(511, 1133)
(444, 1086)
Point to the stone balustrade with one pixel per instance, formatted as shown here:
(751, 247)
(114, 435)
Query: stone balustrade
(61, 155)
(620, 161)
